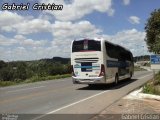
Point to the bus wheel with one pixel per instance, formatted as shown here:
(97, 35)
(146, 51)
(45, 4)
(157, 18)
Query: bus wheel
(116, 79)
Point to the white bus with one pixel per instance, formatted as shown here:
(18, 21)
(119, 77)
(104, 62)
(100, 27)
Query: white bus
(97, 61)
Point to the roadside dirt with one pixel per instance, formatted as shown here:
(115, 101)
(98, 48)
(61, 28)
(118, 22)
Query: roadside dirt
(129, 106)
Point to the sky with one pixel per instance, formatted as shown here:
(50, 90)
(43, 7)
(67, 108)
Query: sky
(36, 34)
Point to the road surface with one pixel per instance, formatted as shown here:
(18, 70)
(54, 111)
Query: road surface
(36, 100)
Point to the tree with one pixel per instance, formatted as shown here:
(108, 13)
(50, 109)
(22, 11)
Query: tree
(6, 74)
(20, 71)
(2, 64)
(152, 29)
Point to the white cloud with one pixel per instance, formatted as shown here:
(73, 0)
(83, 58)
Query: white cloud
(74, 30)
(22, 48)
(134, 19)
(131, 39)
(10, 17)
(21, 24)
(7, 19)
(19, 37)
(79, 8)
(33, 26)
(23, 41)
(4, 41)
(126, 2)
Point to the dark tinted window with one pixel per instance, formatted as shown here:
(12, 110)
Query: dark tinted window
(112, 50)
(125, 55)
(83, 45)
(118, 52)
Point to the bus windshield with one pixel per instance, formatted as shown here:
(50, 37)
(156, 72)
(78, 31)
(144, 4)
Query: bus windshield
(86, 45)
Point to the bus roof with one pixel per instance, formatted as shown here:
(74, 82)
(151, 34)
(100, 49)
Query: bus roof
(97, 39)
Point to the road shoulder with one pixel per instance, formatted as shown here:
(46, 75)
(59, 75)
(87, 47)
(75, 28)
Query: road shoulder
(133, 104)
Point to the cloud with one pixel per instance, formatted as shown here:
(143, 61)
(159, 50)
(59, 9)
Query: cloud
(131, 39)
(33, 26)
(4, 41)
(19, 53)
(77, 9)
(21, 48)
(126, 2)
(8, 19)
(134, 20)
(74, 30)
(21, 24)
(23, 41)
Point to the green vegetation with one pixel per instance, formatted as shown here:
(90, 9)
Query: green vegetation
(152, 29)
(153, 86)
(18, 72)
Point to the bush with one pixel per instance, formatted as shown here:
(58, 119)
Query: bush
(6, 74)
(153, 87)
(148, 88)
(22, 70)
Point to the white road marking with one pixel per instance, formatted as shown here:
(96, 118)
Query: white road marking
(70, 105)
(25, 89)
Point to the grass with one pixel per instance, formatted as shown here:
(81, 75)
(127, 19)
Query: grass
(32, 80)
(153, 86)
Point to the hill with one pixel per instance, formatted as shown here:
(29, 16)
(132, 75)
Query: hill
(22, 70)
(57, 59)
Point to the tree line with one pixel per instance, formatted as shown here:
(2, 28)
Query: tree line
(22, 70)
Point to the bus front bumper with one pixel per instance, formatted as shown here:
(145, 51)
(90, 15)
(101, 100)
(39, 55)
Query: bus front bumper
(95, 80)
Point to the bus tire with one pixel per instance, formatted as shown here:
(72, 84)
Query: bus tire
(116, 79)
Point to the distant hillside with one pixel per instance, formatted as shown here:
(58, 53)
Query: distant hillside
(22, 70)
(57, 59)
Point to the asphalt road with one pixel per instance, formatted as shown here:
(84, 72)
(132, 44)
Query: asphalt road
(37, 100)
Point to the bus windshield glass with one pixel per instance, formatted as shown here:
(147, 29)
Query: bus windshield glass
(86, 45)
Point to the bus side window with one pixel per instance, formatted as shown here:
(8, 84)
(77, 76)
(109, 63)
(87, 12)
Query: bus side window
(111, 50)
